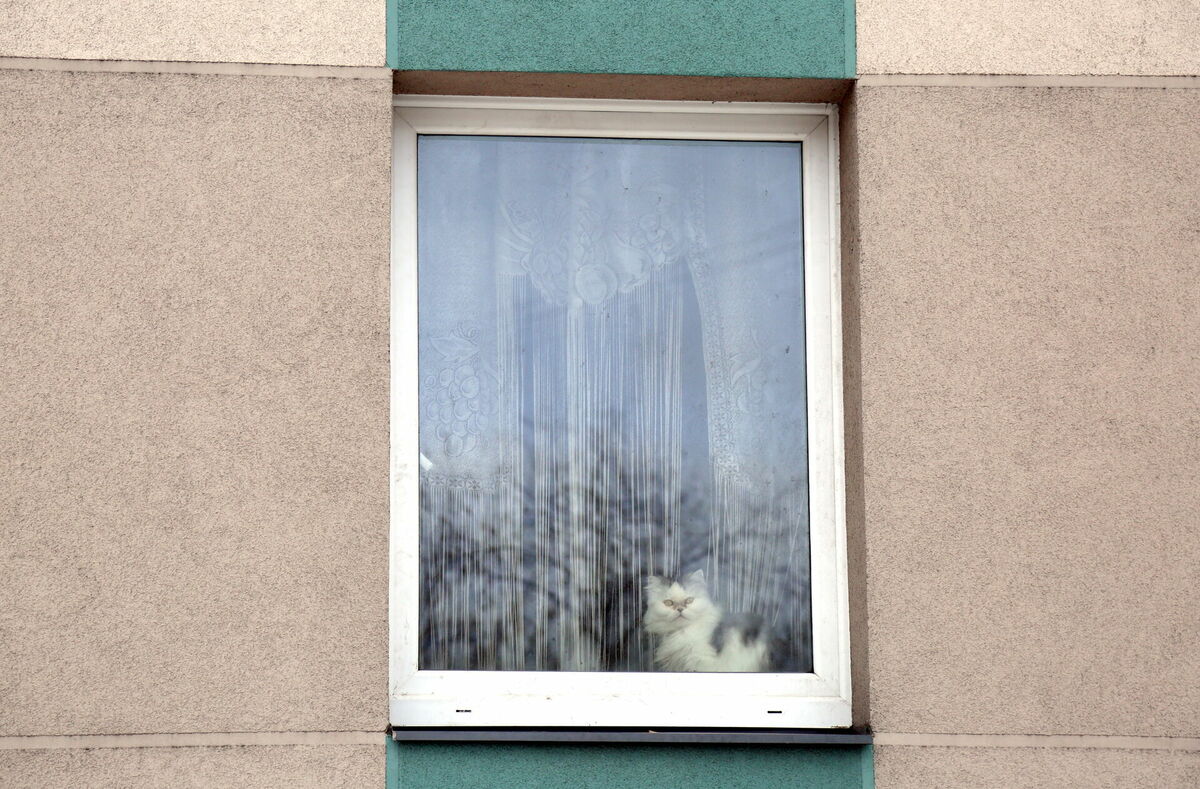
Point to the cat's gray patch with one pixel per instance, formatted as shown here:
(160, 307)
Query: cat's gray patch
(668, 580)
(750, 627)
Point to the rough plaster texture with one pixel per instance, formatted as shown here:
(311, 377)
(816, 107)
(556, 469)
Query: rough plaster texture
(293, 767)
(747, 38)
(1030, 376)
(1029, 37)
(193, 403)
(1034, 768)
(328, 32)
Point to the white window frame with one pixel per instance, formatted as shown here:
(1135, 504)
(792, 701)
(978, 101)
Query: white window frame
(573, 699)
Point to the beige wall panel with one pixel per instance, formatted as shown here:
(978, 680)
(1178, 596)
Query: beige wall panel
(1034, 768)
(293, 767)
(329, 32)
(1030, 371)
(1029, 37)
(193, 403)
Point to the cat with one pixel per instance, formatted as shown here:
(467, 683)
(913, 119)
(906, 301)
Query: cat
(695, 634)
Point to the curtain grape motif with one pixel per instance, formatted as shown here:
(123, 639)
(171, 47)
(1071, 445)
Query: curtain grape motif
(455, 401)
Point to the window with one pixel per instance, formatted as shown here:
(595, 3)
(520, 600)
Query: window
(616, 415)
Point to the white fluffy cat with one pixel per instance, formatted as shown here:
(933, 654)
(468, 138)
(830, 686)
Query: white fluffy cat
(694, 634)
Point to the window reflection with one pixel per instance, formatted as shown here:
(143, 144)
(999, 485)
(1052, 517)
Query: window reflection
(613, 435)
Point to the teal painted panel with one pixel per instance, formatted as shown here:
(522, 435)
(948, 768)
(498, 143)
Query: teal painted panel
(507, 765)
(747, 38)
(392, 21)
(851, 39)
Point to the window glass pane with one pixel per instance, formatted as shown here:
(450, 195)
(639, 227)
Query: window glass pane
(612, 395)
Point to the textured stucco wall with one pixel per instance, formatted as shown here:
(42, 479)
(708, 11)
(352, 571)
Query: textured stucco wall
(327, 32)
(193, 403)
(1030, 377)
(260, 767)
(193, 379)
(1034, 768)
(1029, 37)
(751, 38)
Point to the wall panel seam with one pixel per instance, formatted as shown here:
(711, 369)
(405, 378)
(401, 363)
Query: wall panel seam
(189, 67)
(190, 740)
(1104, 741)
(1024, 81)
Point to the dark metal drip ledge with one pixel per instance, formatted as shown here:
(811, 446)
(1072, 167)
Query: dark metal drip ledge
(686, 736)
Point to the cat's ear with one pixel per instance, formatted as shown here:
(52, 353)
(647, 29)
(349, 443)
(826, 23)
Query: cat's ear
(695, 579)
(654, 584)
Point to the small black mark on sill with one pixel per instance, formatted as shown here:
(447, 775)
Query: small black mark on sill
(774, 712)
(462, 710)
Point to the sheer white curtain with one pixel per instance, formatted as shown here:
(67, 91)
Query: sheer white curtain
(612, 385)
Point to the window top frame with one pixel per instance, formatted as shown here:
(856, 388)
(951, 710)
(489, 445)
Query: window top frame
(504, 698)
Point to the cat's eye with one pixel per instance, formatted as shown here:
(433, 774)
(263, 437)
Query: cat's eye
(669, 603)
(689, 601)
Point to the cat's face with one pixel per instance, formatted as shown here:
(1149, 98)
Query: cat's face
(674, 604)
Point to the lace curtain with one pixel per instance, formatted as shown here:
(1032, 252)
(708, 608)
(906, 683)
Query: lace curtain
(611, 385)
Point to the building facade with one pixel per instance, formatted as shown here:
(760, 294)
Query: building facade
(194, 381)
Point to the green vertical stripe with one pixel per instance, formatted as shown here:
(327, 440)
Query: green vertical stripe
(868, 767)
(393, 32)
(851, 31)
(392, 775)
